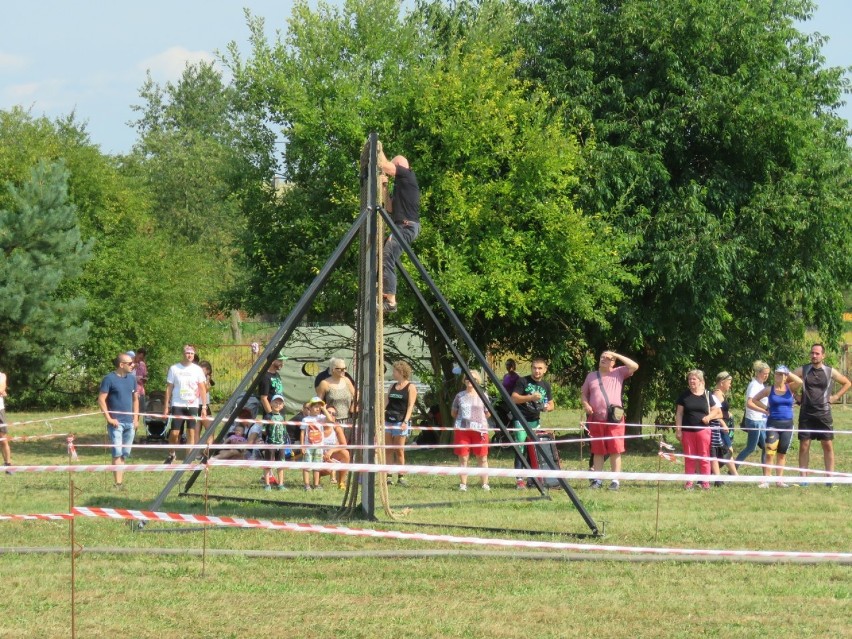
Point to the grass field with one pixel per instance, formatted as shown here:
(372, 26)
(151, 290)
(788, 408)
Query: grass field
(454, 593)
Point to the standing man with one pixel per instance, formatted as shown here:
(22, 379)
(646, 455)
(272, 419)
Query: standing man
(533, 396)
(4, 430)
(404, 207)
(186, 396)
(271, 385)
(815, 421)
(119, 403)
(603, 389)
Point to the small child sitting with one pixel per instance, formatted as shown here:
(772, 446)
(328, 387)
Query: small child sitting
(237, 437)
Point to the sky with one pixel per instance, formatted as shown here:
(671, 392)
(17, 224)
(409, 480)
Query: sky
(91, 57)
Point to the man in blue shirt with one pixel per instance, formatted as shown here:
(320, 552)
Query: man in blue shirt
(119, 403)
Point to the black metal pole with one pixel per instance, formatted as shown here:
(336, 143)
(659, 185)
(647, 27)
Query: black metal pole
(468, 340)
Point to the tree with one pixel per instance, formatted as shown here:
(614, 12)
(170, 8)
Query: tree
(519, 264)
(711, 139)
(135, 290)
(40, 250)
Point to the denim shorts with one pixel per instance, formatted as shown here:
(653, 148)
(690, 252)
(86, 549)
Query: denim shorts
(398, 429)
(121, 437)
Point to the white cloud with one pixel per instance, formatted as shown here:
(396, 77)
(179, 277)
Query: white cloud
(12, 62)
(169, 65)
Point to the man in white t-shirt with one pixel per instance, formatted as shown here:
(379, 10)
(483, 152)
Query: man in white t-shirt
(186, 396)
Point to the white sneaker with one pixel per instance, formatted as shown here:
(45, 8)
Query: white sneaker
(486, 487)
(763, 485)
(463, 488)
(781, 484)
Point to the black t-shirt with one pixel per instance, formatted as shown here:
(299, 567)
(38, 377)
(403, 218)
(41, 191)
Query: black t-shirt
(695, 407)
(271, 385)
(406, 196)
(527, 386)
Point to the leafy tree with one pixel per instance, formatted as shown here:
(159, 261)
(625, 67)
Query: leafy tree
(502, 238)
(40, 250)
(711, 139)
(136, 293)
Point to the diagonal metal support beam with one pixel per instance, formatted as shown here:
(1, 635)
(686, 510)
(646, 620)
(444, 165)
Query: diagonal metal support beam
(480, 358)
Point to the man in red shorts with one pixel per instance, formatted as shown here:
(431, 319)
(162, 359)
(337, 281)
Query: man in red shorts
(601, 390)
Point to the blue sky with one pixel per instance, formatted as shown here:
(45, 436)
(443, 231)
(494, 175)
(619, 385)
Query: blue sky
(91, 57)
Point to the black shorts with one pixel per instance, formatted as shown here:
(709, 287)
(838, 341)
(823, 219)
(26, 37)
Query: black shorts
(3, 428)
(721, 453)
(184, 411)
(274, 454)
(815, 428)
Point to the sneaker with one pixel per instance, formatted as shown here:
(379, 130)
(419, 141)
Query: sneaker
(267, 487)
(705, 485)
(595, 484)
(689, 485)
(486, 487)
(763, 485)
(307, 488)
(282, 487)
(318, 487)
(119, 487)
(341, 485)
(8, 472)
(521, 484)
(614, 486)
(803, 484)
(387, 307)
(170, 459)
(829, 485)
(390, 481)
(718, 484)
(401, 482)
(463, 488)
(781, 484)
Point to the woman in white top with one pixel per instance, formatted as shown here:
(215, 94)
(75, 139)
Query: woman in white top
(754, 423)
(471, 429)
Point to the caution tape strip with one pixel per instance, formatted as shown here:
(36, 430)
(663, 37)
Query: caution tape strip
(240, 522)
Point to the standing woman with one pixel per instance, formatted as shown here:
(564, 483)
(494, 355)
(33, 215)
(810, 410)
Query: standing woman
(779, 423)
(4, 430)
(754, 422)
(338, 391)
(696, 409)
(720, 442)
(401, 398)
(471, 429)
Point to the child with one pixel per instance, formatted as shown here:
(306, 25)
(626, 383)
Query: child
(237, 437)
(311, 438)
(276, 436)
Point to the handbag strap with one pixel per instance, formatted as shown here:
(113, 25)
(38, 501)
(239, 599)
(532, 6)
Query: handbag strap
(603, 390)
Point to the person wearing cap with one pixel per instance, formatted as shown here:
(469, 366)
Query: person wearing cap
(119, 403)
(779, 420)
(404, 207)
(186, 397)
(815, 420)
(721, 444)
(271, 384)
(276, 435)
(311, 437)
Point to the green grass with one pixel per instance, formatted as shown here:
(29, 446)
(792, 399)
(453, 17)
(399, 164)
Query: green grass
(461, 595)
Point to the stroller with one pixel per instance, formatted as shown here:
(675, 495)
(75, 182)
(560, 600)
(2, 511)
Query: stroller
(156, 424)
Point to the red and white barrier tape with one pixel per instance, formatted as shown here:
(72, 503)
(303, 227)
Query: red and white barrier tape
(724, 462)
(47, 420)
(31, 438)
(48, 517)
(239, 522)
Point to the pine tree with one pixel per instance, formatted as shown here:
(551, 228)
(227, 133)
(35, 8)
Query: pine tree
(41, 249)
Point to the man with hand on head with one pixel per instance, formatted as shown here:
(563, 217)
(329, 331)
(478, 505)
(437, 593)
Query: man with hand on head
(601, 390)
